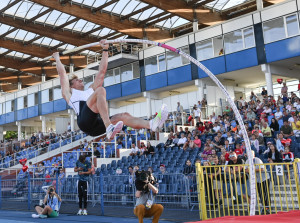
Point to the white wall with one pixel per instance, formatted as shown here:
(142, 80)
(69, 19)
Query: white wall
(61, 125)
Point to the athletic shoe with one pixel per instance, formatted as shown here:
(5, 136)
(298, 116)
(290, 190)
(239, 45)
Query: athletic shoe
(43, 216)
(84, 212)
(35, 216)
(79, 212)
(112, 130)
(160, 118)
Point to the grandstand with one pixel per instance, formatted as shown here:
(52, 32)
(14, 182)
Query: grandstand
(251, 46)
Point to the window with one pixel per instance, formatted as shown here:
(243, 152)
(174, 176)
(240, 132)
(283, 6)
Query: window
(239, 40)
(1, 107)
(136, 70)
(112, 77)
(20, 103)
(155, 64)
(274, 30)
(281, 28)
(292, 25)
(88, 79)
(126, 72)
(9, 106)
(209, 48)
(45, 96)
(32, 99)
(57, 93)
(175, 60)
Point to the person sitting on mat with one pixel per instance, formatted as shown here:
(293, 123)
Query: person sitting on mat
(89, 104)
(52, 203)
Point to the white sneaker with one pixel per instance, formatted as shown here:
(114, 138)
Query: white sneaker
(79, 212)
(84, 212)
(160, 118)
(112, 130)
(35, 216)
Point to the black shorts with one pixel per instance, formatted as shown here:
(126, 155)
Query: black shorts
(89, 122)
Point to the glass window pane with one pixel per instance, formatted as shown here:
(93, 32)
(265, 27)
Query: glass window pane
(151, 65)
(20, 103)
(233, 41)
(57, 93)
(126, 72)
(1, 107)
(8, 106)
(187, 51)
(136, 70)
(161, 62)
(173, 60)
(204, 50)
(218, 46)
(45, 96)
(292, 25)
(31, 100)
(117, 74)
(88, 79)
(249, 38)
(109, 78)
(274, 30)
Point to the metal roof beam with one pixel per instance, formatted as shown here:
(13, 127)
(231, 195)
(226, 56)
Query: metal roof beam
(136, 12)
(127, 27)
(104, 5)
(182, 9)
(9, 6)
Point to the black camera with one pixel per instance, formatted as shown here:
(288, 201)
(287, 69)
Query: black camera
(140, 177)
(51, 190)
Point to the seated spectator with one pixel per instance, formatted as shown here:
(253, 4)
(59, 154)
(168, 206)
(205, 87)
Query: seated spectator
(274, 155)
(142, 148)
(169, 141)
(287, 155)
(188, 169)
(296, 125)
(227, 147)
(207, 151)
(238, 151)
(201, 128)
(163, 175)
(96, 152)
(279, 144)
(197, 142)
(254, 143)
(230, 138)
(286, 129)
(267, 110)
(278, 114)
(149, 149)
(134, 150)
(225, 154)
(266, 130)
(40, 172)
(189, 144)
(182, 140)
(260, 138)
(217, 144)
(274, 126)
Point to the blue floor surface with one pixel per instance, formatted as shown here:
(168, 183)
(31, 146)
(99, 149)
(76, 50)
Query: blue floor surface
(25, 217)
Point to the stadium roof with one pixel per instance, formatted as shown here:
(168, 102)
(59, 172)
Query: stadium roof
(33, 29)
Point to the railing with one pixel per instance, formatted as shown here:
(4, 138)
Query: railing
(35, 151)
(225, 190)
(116, 49)
(175, 190)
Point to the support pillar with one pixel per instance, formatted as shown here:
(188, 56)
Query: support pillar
(195, 25)
(259, 5)
(72, 119)
(266, 69)
(1, 133)
(71, 68)
(43, 119)
(18, 123)
(19, 85)
(200, 84)
(147, 95)
(43, 77)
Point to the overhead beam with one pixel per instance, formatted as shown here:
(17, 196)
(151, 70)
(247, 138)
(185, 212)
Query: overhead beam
(182, 9)
(136, 12)
(104, 5)
(108, 20)
(66, 36)
(39, 51)
(9, 6)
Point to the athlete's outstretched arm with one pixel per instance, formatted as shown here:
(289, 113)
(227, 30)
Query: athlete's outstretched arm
(99, 79)
(63, 77)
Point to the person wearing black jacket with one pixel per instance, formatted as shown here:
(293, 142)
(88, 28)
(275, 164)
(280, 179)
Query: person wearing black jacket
(215, 174)
(169, 141)
(149, 149)
(188, 169)
(274, 155)
(274, 126)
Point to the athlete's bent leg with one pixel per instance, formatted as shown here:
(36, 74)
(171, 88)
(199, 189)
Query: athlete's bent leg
(129, 120)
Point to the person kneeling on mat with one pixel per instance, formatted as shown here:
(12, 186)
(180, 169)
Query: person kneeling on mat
(52, 203)
(145, 194)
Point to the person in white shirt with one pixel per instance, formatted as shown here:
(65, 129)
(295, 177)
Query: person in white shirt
(242, 101)
(278, 114)
(216, 127)
(267, 110)
(134, 150)
(182, 140)
(197, 113)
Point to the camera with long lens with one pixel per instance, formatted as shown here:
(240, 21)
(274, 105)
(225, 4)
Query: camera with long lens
(140, 177)
(51, 190)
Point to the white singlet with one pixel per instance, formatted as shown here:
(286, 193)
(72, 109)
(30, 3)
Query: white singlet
(78, 96)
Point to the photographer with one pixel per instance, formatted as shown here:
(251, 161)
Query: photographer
(52, 202)
(83, 167)
(145, 194)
